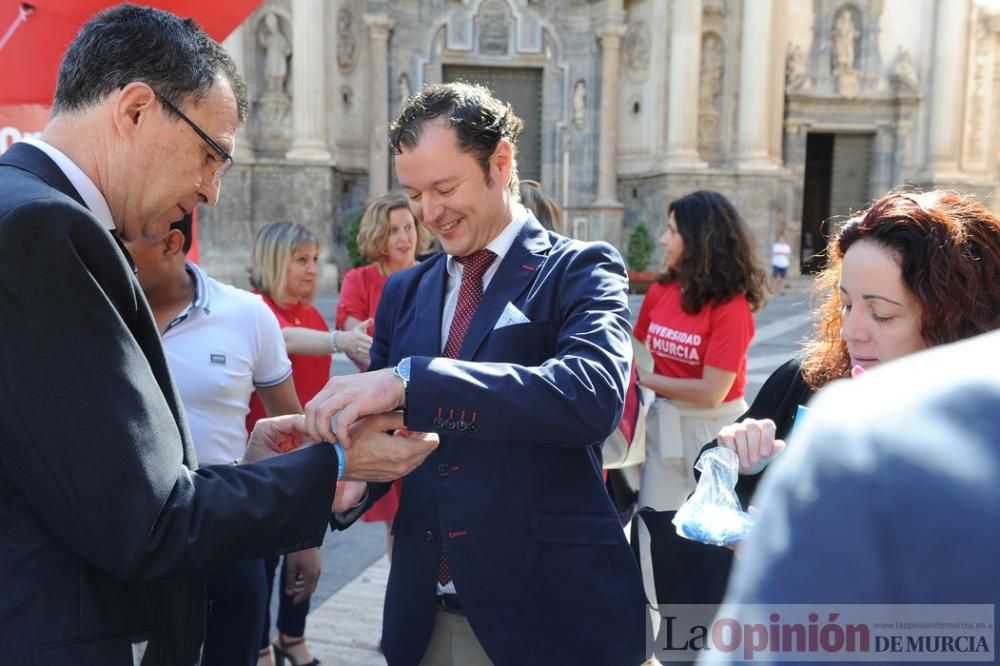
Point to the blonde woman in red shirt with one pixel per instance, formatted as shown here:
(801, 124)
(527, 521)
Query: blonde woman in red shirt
(389, 237)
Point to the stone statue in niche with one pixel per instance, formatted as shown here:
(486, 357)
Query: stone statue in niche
(845, 34)
(580, 104)
(494, 29)
(277, 49)
(346, 43)
(796, 79)
(404, 90)
(844, 37)
(274, 105)
(905, 74)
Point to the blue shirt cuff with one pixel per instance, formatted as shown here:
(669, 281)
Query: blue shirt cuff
(341, 461)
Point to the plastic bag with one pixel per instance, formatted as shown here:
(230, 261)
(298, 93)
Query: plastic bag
(713, 514)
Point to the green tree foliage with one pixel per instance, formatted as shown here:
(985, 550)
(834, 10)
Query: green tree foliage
(640, 248)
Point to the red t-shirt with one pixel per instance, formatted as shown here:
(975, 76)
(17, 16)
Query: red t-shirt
(359, 295)
(683, 344)
(309, 373)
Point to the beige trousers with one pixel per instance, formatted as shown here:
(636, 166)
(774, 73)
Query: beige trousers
(675, 435)
(453, 643)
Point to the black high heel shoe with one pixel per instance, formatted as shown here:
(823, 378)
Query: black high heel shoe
(281, 653)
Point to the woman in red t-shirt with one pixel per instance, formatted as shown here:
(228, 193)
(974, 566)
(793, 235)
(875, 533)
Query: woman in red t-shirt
(284, 270)
(697, 321)
(389, 238)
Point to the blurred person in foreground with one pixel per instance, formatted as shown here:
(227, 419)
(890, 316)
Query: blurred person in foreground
(920, 436)
(109, 524)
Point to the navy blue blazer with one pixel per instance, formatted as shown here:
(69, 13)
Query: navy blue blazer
(515, 494)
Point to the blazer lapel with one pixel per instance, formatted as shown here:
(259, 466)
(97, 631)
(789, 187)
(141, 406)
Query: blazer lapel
(516, 273)
(430, 304)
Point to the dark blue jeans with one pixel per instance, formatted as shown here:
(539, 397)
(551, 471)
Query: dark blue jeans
(291, 617)
(237, 602)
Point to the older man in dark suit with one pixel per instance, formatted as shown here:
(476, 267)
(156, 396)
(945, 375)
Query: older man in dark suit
(107, 523)
(513, 344)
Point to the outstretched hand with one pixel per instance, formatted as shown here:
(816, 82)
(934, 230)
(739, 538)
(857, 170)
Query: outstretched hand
(274, 436)
(344, 400)
(378, 455)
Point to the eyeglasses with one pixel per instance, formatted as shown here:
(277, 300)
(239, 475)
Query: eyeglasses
(227, 159)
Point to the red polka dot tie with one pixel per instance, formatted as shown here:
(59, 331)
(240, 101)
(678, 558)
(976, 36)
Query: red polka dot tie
(470, 294)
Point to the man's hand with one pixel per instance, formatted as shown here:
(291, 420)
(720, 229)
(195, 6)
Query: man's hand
(274, 436)
(348, 495)
(753, 441)
(347, 399)
(302, 571)
(378, 456)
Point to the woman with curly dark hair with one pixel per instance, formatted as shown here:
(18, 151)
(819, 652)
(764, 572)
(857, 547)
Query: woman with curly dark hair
(913, 271)
(697, 321)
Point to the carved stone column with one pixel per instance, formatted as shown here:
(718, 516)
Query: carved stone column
(685, 68)
(379, 27)
(607, 173)
(755, 68)
(234, 45)
(308, 100)
(947, 82)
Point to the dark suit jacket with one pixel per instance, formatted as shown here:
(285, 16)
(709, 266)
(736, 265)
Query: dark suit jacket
(514, 494)
(106, 524)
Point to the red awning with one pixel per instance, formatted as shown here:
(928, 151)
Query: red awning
(42, 30)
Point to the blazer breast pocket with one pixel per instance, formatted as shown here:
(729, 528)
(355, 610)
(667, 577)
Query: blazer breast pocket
(531, 343)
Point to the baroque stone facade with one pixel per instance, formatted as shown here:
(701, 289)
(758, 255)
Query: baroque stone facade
(800, 111)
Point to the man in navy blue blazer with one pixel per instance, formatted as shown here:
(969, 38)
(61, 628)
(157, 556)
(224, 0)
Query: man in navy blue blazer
(508, 548)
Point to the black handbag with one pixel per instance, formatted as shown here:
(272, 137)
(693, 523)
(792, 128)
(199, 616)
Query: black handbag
(684, 571)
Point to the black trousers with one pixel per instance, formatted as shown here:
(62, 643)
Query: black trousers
(291, 617)
(237, 602)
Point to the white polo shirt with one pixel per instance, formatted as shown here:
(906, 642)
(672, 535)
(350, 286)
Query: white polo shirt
(219, 348)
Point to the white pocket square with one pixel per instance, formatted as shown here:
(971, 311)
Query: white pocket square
(510, 316)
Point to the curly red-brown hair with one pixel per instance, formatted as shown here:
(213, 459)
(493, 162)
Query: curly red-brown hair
(948, 250)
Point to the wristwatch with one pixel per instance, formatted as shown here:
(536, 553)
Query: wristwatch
(402, 371)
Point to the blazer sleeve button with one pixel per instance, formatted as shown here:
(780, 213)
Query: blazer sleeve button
(428, 536)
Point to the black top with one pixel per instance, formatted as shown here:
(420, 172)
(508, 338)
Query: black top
(779, 399)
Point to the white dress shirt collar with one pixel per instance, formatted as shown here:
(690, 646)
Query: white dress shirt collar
(91, 196)
(499, 245)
